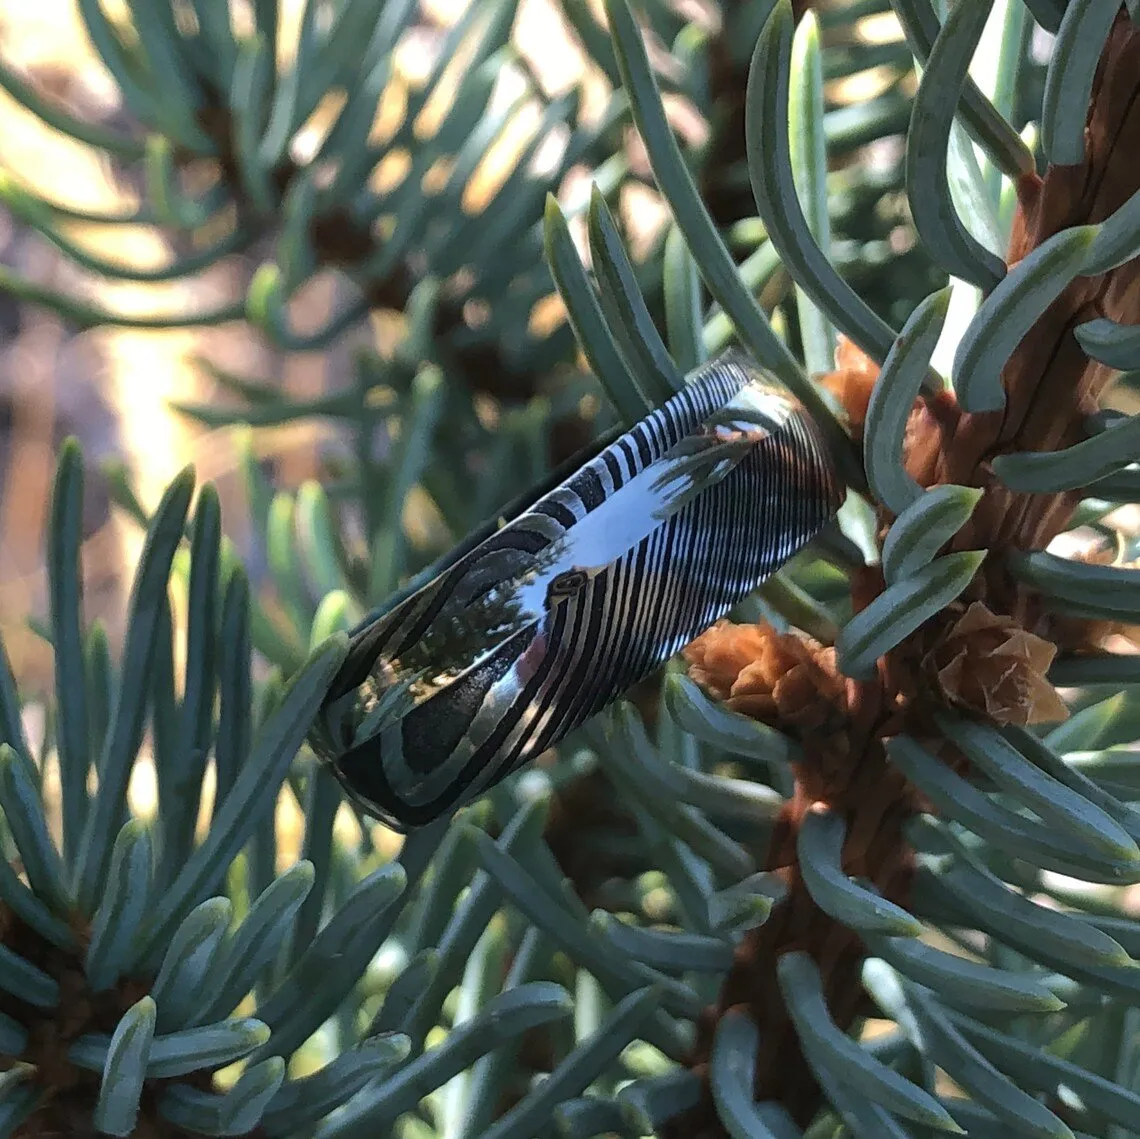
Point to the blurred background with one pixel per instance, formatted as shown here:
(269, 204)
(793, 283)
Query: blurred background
(113, 388)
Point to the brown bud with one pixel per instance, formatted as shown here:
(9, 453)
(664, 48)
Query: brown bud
(852, 381)
(988, 664)
(780, 678)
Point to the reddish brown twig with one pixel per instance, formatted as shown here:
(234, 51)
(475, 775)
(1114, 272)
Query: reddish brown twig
(1051, 386)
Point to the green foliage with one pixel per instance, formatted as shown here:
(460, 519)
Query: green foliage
(463, 987)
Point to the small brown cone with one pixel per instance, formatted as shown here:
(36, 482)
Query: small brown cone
(782, 679)
(986, 663)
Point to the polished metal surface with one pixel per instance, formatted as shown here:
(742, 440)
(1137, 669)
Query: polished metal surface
(557, 613)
